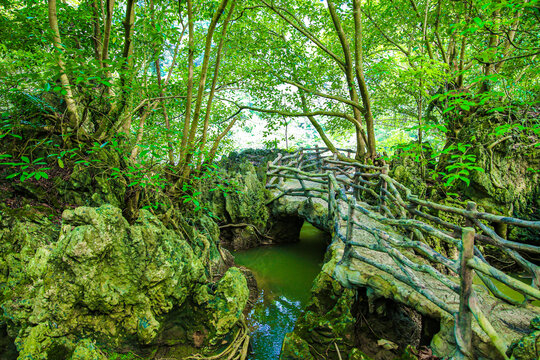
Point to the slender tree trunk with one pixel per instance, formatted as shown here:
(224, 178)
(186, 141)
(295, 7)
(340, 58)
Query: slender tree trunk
(286, 135)
(140, 132)
(105, 46)
(202, 82)
(157, 52)
(214, 83)
(220, 137)
(489, 68)
(170, 150)
(97, 32)
(127, 54)
(359, 71)
(64, 80)
(361, 146)
(117, 109)
(107, 31)
(189, 99)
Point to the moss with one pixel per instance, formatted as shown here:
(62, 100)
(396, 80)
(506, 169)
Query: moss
(327, 320)
(87, 350)
(528, 347)
(102, 279)
(294, 347)
(507, 186)
(244, 203)
(229, 301)
(91, 185)
(357, 354)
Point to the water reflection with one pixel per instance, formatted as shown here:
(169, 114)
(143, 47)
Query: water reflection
(284, 274)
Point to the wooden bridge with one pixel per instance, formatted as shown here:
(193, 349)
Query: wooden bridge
(385, 232)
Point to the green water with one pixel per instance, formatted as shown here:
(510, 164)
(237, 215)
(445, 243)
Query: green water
(513, 294)
(284, 274)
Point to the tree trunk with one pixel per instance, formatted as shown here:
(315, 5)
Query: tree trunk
(214, 83)
(220, 137)
(361, 146)
(105, 46)
(97, 32)
(202, 82)
(359, 71)
(187, 118)
(64, 80)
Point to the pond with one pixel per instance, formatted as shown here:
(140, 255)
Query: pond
(284, 274)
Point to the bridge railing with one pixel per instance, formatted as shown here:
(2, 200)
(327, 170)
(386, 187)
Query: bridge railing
(348, 187)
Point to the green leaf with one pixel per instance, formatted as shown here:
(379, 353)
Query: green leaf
(12, 175)
(60, 163)
(25, 159)
(478, 21)
(448, 109)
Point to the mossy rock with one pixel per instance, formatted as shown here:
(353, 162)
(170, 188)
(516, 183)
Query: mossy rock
(528, 347)
(294, 347)
(243, 203)
(111, 282)
(327, 320)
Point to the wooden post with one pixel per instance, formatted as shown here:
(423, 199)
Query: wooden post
(280, 179)
(348, 234)
(350, 220)
(267, 170)
(464, 318)
(300, 158)
(384, 186)
(356, 180)
(331, 199)
(318, 157)
(471, 206)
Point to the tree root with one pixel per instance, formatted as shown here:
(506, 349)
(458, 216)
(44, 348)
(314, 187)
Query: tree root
(246, 225)
(237, 349)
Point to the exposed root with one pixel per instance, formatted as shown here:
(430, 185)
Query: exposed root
(338, 352)
(246, 225)
(237, 349)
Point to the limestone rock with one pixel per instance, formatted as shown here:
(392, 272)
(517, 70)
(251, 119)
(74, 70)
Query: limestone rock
(106, 281)
(229, 301)
(327, 320)
(87, 350)
(528, 347)
(244, 202)
(294, 347)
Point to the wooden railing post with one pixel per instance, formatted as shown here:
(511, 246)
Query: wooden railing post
(384, 186)
(350, 220)
(318, 157)
(280, 179)
(348, 234)
(356, 181)
(300, 158)
(463, 329)
(471, 206)
(267, 171)
(331, 199)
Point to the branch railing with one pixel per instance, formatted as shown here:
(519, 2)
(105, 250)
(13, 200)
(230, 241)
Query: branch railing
(350, 187)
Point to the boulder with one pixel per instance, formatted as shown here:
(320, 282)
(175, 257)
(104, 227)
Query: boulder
(116, 284)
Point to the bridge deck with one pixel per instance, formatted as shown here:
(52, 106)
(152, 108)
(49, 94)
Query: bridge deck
(510, 322)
